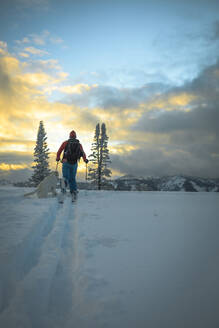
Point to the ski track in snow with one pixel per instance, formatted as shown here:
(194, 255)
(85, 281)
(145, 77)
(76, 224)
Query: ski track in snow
(42, 278)
(42, 266)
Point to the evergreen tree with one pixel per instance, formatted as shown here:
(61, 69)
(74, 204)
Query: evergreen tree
(99, 157)
(104, 155)
(95, 156)
(41, 154)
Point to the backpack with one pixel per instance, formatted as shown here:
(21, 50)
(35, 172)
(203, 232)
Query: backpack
(73, 151)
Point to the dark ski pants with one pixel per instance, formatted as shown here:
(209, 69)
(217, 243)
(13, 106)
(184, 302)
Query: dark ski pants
(69, 172)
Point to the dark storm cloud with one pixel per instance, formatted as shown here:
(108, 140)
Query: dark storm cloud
(111, 97)
(15, 157)
(160, 160)
(203, 116)
(108, 97)
(141, 161)
(202, 119)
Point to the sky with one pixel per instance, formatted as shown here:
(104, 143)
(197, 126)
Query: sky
(148, 69)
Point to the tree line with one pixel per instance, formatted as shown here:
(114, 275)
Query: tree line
(99, 158)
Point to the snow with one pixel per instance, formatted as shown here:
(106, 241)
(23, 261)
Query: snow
(112, 259)
(198, 188)
(173, 182)
(126, 177)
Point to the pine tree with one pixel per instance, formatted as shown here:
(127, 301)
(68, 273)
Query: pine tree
(41, 154)
(99, 157)
(95, 156)
(104, 155)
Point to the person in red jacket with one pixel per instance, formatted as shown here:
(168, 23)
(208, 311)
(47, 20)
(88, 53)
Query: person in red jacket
(72, 151)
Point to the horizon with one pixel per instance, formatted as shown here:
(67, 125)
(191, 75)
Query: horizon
(150, 71)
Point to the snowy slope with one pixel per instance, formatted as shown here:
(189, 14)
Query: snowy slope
(113, 259)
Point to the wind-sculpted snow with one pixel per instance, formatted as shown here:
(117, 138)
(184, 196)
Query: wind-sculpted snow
(112, 259)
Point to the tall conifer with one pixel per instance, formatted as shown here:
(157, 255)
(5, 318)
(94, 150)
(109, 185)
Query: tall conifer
(99, 157)
(41, 157)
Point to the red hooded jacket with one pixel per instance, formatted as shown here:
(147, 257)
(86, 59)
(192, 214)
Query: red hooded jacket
(63, 145)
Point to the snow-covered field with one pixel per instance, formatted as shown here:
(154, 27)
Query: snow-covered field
(112, 259)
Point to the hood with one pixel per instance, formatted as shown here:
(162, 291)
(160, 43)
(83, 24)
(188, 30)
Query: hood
(72, 134)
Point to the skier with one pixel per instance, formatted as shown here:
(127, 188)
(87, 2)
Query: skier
(73, 151)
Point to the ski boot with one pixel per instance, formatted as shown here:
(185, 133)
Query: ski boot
(74, 195)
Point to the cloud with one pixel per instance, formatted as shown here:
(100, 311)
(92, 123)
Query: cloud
(200, 98)
(77, 89)
(154, 160)
(35, 51)
(15, 166)
(3, 46)
(113, 98)
(49, 66)
(41, 5)
(9, 167)
(23, 41)
(23, 54)
(40, 39)
(56, 40)
(16, 158)
(123, 77)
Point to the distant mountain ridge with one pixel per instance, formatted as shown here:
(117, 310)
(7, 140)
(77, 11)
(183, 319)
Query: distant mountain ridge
(167, 183)
(150, 183)
(4, 182)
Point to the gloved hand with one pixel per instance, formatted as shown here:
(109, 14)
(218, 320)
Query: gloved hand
(57, 160)
(86, 161)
